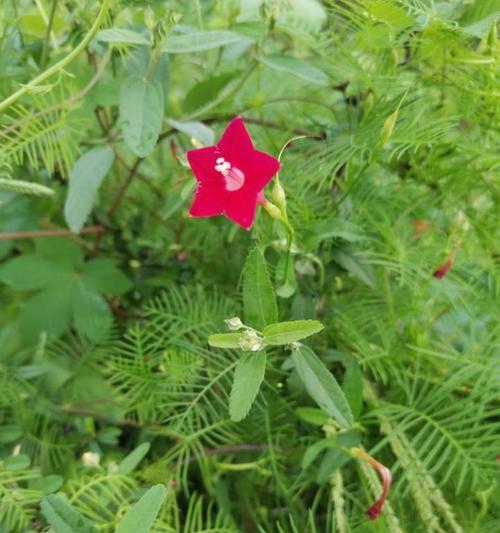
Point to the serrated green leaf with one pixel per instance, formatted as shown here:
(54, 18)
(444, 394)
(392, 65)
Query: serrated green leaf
(29, 272)
(102, 275)
(141, 113)
(91, 313)
(322, 386)
(129, 463)
(200, 41)
(86, 178)
(141, 516)
(48, 311)
(225, 340)
(259, 302)
(297, 67)
(63, 518)
(248, 377)
(287, 332)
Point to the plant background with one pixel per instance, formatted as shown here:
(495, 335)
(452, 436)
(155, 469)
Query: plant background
(108, 385)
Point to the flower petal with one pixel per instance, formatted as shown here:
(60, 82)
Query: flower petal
(202, 162)
(236, 145)
(241, 206)
(209, 200)
(264, 167)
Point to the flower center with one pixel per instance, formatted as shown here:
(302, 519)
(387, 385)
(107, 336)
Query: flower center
(233, 176)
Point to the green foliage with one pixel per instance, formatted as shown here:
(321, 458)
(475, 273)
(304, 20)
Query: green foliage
(85, 180)
(259, 302)
(248, 376)
(126, 404)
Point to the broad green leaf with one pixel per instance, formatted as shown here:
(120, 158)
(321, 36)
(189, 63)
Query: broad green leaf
(47, 484)
(16, 462)
(29, 272)
(353, 387)
(225, 340)
(259, 302)
(288, 332)
(91, 312)
(195, 130)
(200, 41)
(121, 36)
(84, 182)
(141, 516)
(63, 518)
(248, 377)
(141, 113)
(129, 463)
(102, 275)
(321, 385)
(297, 67)
(48, 311)
(64, 252)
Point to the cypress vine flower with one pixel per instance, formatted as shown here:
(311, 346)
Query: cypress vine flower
(231, 176)
(443, 270)
(385, 474)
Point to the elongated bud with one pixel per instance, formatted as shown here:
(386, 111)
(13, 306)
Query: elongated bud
(388, 128)
(278, 194)
(273, 211)
(234, 324)
(385, 474)
(389, 123)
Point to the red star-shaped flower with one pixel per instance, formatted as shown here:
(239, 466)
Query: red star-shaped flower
(231, 176)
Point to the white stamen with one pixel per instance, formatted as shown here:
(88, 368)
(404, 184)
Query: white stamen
(233, 176)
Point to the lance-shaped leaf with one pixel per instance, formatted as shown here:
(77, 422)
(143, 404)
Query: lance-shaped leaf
(141, 516)
(248, 377)
(141, 113)
(321, 385)
(84, 182)
(259, 302)
(287, 332)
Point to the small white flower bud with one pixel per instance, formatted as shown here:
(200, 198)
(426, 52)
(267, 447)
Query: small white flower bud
(234, 324)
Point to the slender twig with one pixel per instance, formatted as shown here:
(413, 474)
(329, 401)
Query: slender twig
(60, 64)
(124, 186)
(45, 49)
(132, 173)
(49, 233)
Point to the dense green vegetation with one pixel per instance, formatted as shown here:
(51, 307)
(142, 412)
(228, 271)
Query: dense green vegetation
(364, 299)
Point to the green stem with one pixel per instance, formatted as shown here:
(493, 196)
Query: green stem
(61, 64)
(45, 49)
